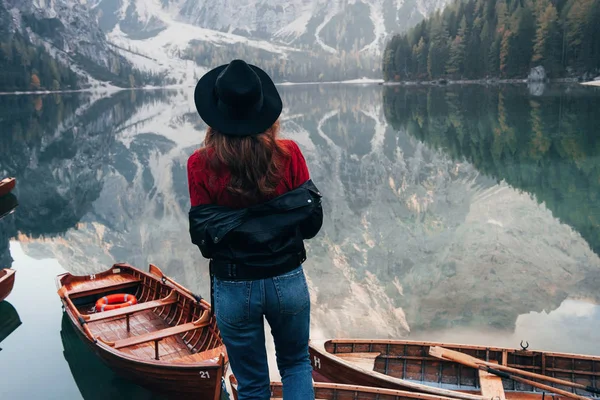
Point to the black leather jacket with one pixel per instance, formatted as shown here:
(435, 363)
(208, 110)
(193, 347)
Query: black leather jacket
(266, 235)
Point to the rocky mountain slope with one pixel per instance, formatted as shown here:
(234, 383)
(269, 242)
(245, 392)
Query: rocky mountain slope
(327, 25)
(140, 42)
(67, 32)
(296, 37)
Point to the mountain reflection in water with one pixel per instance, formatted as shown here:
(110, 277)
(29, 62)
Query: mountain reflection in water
(445, 208)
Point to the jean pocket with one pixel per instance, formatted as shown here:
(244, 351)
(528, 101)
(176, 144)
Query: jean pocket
(232, 301)
(292, 291)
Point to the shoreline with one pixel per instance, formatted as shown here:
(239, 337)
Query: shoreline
(114, 89)
(103, 90)
(362, 81)
(445, 82)
(592, 83)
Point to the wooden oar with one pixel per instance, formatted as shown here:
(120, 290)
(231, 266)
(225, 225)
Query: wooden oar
(156, 271)
(465, 359)
(533, 375)
(62, 293)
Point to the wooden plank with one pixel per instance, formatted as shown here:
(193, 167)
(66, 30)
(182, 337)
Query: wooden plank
(142, 323)
(102, 289)
(163, 333)
(491, 386)
(363, 360)
(122, 312)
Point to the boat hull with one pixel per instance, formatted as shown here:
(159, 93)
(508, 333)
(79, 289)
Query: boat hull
(6, 186)
(410, 360)
(7, 282)
(171, 379)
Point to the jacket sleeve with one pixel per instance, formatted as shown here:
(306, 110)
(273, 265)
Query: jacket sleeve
(314, 221)
(198, 220)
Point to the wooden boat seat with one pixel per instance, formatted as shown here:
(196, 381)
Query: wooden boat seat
(90, 288)
(363, 360)
(156, 336)
(123, 312)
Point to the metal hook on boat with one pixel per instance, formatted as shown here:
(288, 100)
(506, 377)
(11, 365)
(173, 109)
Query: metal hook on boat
(526, 346)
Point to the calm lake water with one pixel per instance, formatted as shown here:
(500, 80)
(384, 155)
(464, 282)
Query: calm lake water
(464, 214)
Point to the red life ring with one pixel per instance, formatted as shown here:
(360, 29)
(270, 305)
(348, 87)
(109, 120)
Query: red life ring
(114, 301)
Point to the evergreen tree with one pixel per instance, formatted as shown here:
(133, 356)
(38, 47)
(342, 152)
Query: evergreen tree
(505, 38)
(403, 58)
(578, 32)
(547, 39)
(388, 63)
(456, 59)
(438, 50)
(420, 57)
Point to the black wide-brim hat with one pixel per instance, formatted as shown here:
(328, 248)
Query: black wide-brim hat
(237, 99)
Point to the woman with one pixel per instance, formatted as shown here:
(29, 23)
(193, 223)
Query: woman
(253, 205)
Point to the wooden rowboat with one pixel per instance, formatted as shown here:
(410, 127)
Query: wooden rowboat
(7, 282)
(398, 364)
(168, 342)
(7, 185)
(337, 391)
(9, 320)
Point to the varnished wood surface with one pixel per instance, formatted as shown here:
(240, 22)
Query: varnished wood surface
(491, 386)
(333, 391)
(363, 360)
(123, 312)
(141, 323)
(192, 358)
(410, 360)
(7, 185)
(200, 357)
(161, 334)
(103, 284)
(7, 282)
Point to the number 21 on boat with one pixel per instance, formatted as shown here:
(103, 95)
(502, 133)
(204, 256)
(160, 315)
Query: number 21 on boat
(204, 374)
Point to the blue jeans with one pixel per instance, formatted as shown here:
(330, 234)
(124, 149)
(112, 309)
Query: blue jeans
(285, 302)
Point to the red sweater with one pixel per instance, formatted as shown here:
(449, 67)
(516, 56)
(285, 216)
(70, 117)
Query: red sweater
(210, 187)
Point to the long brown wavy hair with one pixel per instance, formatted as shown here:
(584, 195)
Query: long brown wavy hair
(254, 162)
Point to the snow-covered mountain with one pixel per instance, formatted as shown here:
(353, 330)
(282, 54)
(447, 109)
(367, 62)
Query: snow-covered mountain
(294, 40)
(283, 35)
(331, 25)
(69, 33)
